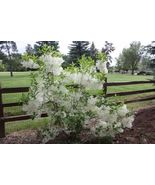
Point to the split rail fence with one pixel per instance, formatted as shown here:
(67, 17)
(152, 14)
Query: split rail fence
(4, 119)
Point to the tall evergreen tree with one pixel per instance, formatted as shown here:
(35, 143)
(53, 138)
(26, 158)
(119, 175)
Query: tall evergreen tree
(9, 48)
(107, 49)
(76, 50)
(39, 45)
(93, 52)
(29, 49)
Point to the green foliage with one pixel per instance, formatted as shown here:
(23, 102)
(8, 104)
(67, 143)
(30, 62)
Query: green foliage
(46, 49)
(108, 49)
(76, 50)
(93, 52)
(2, 66)
(144, 65)
(100, 76)
(29, 49)
(101, 56)
(26, 57)
(149, 53)
(40, 49)
(130, 57)
(3, 57)
(86, 63)
(9, 48)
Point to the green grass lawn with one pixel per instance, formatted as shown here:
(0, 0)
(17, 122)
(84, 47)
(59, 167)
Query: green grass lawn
(126, 77)
(22, 79)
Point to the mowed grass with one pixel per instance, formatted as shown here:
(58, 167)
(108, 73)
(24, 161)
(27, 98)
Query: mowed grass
(22, 79)
(127, 78)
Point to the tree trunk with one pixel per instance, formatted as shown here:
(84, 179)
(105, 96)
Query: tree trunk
(132, 71)
(11, 73)
(9, 54)
(11, 70)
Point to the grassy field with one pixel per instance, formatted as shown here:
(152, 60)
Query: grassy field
(126, 77)
(22, 79)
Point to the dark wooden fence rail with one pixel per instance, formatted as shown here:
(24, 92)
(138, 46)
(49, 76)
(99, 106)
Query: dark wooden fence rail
(110, 84)
(4, 119)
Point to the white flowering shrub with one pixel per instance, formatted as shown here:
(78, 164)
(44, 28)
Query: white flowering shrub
(30, 64)
(66, 96)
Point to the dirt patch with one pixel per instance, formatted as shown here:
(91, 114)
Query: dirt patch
(21, 137)
(142, 132)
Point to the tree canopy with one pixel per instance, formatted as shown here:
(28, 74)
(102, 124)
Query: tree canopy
(130, 57)
(9, 48)
(40, 44)
(93, 51)
(76, 50)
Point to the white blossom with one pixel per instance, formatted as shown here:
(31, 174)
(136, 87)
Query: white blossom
(127, 122)
(52, 64)
(122, 111)
(102, 66)
(30, 64)
(51, 95)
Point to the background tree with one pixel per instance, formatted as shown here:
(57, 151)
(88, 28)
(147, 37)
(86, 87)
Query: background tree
(120, 65)
(39, 45)
(93, 51)
(108, 49)
(9, 48)
(17, 66)
(29, 49)
(3, 57)
(66, 61)
(130, 57)
(76, 50)
(2, 66)
(149, 53)
(144, 64)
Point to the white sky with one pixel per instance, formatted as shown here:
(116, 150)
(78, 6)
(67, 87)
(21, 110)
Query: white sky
(117, 21)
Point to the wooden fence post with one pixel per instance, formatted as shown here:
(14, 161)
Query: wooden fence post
(105, 86)
(2, 123)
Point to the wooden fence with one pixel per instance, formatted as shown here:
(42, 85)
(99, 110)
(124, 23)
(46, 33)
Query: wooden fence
(110, 84)
(4, 119)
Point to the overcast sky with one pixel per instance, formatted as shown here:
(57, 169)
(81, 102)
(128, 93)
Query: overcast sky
(117, 21)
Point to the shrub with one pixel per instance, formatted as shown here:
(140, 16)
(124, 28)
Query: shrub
(67, 96)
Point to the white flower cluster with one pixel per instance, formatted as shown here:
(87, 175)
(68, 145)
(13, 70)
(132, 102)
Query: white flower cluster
(74, 108)
(84, 79)
(102, 66)
(52, 64)
(108, 121)
(30, 64)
